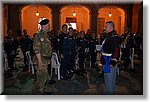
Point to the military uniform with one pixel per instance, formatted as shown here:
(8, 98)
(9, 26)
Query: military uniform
(42, 45)
(26, 45)
(87, 39)
(81, 43)
(65, 52)
(110, 54)
(10, 47)
(92, 47)
(72, 48)
(127, 38)
(102, 37)
(139, 45)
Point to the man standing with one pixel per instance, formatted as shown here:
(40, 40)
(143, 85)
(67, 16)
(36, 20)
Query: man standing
(81, 45)
(92, 47)
(110, 54)
(64, 54)
(26, 45)
(72, 47)
(10, 47)
(126, 47)
(43, 51)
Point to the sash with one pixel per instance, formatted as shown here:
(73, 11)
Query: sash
(107, 58)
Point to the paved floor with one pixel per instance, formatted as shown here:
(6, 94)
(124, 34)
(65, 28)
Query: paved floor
(128, 83)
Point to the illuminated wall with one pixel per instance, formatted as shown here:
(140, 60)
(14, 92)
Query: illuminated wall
(30, 20)
(5, 17)
(118, 17)
(135, 15)
(82, 15)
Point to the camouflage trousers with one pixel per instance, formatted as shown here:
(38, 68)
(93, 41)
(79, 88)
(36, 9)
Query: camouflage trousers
(41, 77)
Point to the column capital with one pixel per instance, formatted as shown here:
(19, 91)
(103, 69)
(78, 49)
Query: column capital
(93, 13)
(56, 19)
(55, 12)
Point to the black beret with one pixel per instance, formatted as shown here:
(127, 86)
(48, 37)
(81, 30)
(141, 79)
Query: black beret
(44, 22)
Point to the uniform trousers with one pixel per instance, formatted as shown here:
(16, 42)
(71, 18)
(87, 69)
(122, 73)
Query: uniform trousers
(110, 80)
(42, 75)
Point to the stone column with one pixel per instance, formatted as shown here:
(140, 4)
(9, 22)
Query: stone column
(13, 18)
(129, 17)
(56, 19)
(93, 20)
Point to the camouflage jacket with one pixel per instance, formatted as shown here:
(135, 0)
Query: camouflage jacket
(42, 44)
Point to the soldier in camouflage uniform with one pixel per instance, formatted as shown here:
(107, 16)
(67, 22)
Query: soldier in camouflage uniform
(42, 48)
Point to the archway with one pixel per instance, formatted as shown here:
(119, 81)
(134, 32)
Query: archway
(79, 21)
(30, 21)
(113, 13)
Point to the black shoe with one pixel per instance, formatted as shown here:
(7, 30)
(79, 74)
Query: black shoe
(70, 76)
(51, 81)
(63, 78)
(69, 73)
(72, 71)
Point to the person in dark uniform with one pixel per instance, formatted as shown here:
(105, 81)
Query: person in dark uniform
(63, 33)
(81, 44)
(10, 46)
(26, 45)
(110, 54)
(56, 42)
(68, 53)
(64, 53)
(92, 47)
(139, 45)
(72, 48)
(102, 36)
(87, 37)
(127, 43)
(52, 35)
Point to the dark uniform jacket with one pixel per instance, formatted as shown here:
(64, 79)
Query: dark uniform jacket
(10, 45)
(26, 44)
(81, 42)
(92, 44)
(111, 46)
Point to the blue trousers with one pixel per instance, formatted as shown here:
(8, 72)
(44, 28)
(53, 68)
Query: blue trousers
(110, 80)
(64, 65)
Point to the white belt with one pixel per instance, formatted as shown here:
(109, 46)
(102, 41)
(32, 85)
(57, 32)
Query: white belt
(106, 54)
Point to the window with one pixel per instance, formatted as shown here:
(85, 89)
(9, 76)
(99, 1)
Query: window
(71, 22)
(101, 23)
(73, 25)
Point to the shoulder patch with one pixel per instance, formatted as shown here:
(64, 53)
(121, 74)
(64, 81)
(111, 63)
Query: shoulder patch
(42, 39)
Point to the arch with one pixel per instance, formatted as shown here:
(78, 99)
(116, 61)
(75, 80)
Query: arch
(119, 15)
(30, 21)
(85, 6)
(82, 16)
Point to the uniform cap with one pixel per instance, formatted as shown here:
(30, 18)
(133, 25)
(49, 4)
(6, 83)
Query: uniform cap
(44, 22)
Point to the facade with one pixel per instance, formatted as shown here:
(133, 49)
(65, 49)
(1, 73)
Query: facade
(88, 16)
